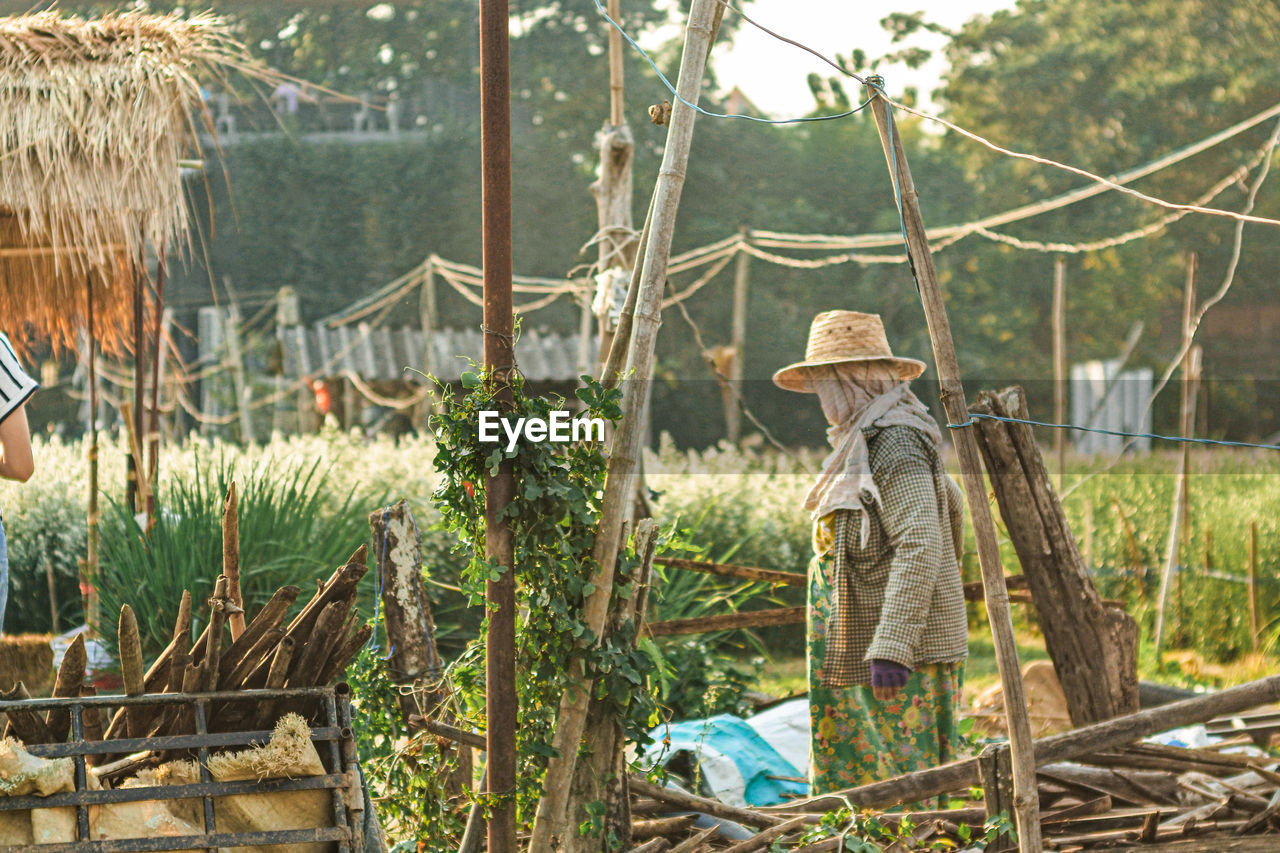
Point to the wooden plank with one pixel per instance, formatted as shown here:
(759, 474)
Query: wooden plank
(729, 621)
(735, 571)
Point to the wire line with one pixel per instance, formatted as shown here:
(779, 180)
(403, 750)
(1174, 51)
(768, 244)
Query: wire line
(975, 416)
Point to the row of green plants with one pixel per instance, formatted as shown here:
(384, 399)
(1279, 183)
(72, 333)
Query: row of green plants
(305, 499)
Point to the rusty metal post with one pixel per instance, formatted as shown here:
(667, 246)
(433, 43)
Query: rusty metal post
(499, 361)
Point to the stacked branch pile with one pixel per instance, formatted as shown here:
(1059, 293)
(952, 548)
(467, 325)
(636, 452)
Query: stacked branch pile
(309, 650)
(1099, 788)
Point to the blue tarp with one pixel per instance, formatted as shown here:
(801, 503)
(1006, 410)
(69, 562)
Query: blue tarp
(723, 740)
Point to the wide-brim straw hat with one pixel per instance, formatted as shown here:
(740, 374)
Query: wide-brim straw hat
(839, 337)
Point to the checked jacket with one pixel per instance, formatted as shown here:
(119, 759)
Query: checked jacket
(898, 595)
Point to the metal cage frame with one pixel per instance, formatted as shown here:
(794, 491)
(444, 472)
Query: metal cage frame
(332, 704)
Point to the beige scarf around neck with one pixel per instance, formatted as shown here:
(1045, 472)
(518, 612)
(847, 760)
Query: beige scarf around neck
(854, 396)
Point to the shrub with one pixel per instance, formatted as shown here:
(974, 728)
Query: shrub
(291, 532)
(46, 532)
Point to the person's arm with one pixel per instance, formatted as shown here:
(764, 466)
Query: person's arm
(16, 387)
(16, 461)
(909, 513)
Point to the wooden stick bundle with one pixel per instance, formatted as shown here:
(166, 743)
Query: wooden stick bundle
(312, 650)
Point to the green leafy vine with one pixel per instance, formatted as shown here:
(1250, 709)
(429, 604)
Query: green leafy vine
(559, 489)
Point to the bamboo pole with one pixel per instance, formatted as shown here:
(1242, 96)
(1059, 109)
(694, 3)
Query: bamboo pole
(1186, 418)
(501, 700)
(91, 555)
(134, 418)
(235, 361)
(231, 560)
(615, 240)
(551, 821)
(1254, 611)
(1025, 797)
(1060, 365)
(738, 342)
(617, 76)
(153, 419)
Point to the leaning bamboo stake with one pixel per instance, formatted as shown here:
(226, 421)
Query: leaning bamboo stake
(552, 820)
(1060, 365)
(231, 559)
(1186, 420)
(1254, 609)
(1025, 797)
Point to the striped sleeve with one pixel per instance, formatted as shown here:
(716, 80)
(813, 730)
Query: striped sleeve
(15, 385)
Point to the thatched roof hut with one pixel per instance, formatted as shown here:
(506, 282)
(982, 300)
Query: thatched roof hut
(94, 118)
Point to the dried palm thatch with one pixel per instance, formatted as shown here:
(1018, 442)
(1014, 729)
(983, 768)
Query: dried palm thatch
(94, 118)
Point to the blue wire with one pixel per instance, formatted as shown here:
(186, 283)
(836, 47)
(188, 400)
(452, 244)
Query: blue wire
(672, 89)
(974, 416)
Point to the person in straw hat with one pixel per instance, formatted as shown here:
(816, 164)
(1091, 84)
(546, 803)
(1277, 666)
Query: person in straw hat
(887, 634)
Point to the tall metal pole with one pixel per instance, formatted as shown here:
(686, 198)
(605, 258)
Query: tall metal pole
(499, 362)
(1025, 796)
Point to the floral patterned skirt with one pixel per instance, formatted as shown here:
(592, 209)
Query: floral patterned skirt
(854, 737)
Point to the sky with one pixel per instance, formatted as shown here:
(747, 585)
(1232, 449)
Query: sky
(772, 73)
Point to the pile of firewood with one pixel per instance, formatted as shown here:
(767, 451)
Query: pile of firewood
(1150, 797)
(311, 650)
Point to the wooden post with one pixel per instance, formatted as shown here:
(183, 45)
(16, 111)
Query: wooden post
(427, 314)
(995, 772)
(53, 594)
(1094, 648)
(738, 343)
(1025, 796)
(501, 699)
(1060, 365)
(1254, 610)
(1178, 524)
(414, 658)
(616, 242)
(552, 820)
(235, 360)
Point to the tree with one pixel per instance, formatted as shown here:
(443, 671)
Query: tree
(1106, 86)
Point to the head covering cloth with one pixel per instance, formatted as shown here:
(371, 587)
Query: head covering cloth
(855, 397)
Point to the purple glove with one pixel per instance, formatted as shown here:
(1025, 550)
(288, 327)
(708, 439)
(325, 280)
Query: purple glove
(886, 673)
